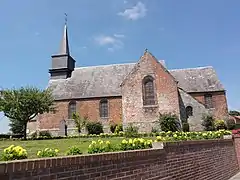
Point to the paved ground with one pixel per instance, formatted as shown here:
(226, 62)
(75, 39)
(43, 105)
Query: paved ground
(237, 177)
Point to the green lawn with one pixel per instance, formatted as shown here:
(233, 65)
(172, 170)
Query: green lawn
(34, 146)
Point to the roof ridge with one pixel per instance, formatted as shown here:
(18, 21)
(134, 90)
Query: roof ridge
(121, 64)
(104, 65)
(201, 67)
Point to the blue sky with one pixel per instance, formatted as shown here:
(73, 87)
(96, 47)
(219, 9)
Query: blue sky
(184, 33)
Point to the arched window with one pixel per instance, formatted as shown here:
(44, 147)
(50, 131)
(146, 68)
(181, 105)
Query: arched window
(189, 111)
(208, 101)
(103, 108)
(71, 109)
(148, 91)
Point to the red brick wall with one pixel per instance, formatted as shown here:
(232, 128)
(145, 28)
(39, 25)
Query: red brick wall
(86, 107)
(219, 102)
(237, 147)
(201, 160)
(166, 93)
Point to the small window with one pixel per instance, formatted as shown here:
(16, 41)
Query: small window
(71, 109)
(208, 101)
(148, 91)
(189, 111)
(103, 108)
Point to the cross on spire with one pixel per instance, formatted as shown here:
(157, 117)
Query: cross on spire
(65, 18)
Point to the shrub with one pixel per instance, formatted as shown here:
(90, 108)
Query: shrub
(185, 127)
(113, 127)
(41, 135)
(137, 143)
(47, 152)
(5, 136)
(230, 123)
(219, 124)
(131, 131)
(119, 128)
(183, 136)
(94, 128)
(14, 153)
(45, 134)
(74, 150)
(154, 130)
(208, 122)
(168, 122)
(100, 146)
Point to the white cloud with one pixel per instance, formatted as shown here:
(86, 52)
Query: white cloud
(111, 42)
(135, 12)
(105, 40)
(119, 35)
(125, 2)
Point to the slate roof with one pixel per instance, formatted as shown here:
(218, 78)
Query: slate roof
(105, 80)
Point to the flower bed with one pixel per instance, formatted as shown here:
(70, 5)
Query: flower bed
(182, 135)
(100, 146)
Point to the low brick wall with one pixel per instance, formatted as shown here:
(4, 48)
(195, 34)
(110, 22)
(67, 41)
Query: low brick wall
(237, 147)
(206, 160)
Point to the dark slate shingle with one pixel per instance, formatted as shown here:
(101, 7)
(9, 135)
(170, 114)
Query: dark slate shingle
(100, 81)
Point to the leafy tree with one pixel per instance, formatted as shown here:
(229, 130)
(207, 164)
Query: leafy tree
(80, 122)
(16, 127)
(22, 105)
(234, 113)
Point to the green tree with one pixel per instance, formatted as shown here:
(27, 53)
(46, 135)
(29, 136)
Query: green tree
(16, 127)
(80, 122)
(234, 113)
(23, 104)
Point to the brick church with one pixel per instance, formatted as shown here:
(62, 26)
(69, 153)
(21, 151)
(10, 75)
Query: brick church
(129, 93)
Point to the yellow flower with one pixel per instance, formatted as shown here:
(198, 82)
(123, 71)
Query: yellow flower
(108, 142)
(124, 141)
(20, 153)
(56, 150)
(130, 141)
(175, 135)
(38, 153)
(93, 142)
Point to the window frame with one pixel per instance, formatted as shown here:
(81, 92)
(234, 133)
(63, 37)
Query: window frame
(72, 108)
(208, 101)
(103, 108)
(148, 100)
(191, 111)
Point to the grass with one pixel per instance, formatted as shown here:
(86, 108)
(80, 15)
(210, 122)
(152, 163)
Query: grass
(34, 146)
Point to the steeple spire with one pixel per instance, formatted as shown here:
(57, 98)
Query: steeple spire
(64, 48)
(62, 63)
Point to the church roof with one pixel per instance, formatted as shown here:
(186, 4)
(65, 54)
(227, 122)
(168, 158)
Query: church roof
(105, 80)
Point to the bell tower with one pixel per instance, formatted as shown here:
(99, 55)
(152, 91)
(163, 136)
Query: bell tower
(62, 63)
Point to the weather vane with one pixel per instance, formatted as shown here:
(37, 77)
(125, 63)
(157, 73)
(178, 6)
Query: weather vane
(65, 18)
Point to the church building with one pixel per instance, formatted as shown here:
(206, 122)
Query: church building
(130, 93)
